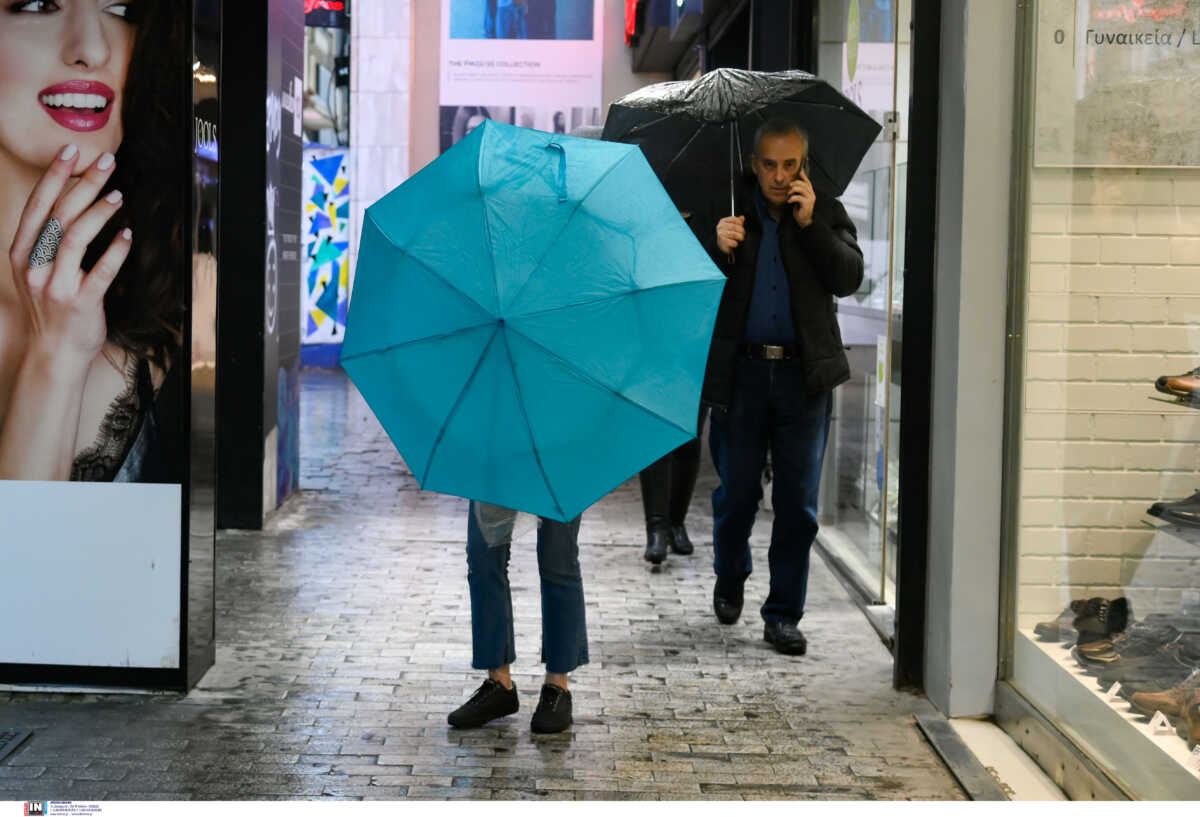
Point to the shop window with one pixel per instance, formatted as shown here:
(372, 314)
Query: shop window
(1107, 593)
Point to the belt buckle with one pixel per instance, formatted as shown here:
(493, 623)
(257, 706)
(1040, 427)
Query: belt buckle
(772, 352)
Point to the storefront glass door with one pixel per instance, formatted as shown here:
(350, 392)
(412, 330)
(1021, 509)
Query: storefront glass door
(864, 51)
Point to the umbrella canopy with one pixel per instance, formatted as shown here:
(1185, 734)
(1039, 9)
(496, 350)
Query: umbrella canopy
(697, 133)
(531, 320)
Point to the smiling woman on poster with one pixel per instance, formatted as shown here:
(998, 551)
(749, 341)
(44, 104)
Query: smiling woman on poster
(91, 283)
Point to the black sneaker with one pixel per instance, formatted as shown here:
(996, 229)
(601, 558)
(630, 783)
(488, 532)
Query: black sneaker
(553, 713)
(489, 702)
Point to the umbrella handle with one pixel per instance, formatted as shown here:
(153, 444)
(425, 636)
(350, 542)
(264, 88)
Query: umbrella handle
(732, 171)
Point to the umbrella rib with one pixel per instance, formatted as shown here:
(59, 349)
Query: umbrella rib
(549, 246)
(682, 150)
(529, 427)
(615, 297)
(426, 266)
(644, 125)
(458, 402)
(487, 221)
(576, 370)
(425, 339)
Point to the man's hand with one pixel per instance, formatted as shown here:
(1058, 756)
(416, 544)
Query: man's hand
(731, 231)
(802, 198)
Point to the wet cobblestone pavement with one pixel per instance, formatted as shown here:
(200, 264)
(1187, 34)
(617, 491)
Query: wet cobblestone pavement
(344, 640)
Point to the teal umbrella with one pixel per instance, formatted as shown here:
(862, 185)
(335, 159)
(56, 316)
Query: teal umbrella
(531, 319)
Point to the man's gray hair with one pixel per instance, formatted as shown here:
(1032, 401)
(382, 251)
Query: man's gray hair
(779, 126)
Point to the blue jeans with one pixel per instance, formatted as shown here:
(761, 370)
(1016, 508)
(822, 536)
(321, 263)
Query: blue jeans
(564, 628)
(769, 410)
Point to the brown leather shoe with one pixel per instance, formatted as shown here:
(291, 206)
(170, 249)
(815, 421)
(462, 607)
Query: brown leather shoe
(1173, 702)
(1191, 717)
(1184, 386)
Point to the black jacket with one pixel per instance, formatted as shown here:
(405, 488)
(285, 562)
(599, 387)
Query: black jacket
(822, 261)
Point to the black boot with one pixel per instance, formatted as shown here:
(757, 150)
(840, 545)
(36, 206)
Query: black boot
(685, 466)
(656, 487)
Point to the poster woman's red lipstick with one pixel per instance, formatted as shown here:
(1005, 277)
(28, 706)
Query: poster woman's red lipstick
(78, 105)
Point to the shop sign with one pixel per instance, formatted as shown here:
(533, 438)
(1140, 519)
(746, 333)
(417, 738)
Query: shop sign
(326, 14)
(1131, 103)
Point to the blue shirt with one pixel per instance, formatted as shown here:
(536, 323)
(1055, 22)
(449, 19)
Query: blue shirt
(770, 319)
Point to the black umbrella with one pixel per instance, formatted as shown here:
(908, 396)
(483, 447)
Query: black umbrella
(693, 132)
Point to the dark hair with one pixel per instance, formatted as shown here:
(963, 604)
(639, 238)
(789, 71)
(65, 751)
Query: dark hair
(779, 127)
(144, 308)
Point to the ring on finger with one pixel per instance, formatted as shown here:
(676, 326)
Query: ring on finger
(45, 250)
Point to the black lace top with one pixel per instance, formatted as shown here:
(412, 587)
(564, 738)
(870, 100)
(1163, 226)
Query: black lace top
(127, 432)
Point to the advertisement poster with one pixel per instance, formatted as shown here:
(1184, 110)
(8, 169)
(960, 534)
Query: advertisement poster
(1132, 61)
(94, 374)
(532, 63)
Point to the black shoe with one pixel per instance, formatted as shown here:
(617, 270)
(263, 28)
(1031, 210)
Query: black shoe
(1061, 628)
(785, 637)
(1185, 512)
(553, 713)
(489, 702)
(727, 603)
(656, 546)
(680, 543)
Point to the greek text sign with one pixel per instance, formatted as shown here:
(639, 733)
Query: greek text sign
(1116, 83)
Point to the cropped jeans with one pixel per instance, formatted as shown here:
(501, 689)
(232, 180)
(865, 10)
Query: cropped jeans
(564, 627)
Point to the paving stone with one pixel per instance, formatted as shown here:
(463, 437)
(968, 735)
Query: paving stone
(343, 640)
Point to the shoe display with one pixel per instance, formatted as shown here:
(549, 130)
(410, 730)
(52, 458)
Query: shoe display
(492, 700)
(785, 637)
(1171, 702)
(1191, 718)
(656, 546)
(727, 602)
(1061, 628)
(680, 542)
(1185, 512)
(1100, 618)
(1184, 387)
(553, 713)
(1140, 641)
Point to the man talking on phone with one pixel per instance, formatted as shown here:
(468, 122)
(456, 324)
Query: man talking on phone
(775, 359)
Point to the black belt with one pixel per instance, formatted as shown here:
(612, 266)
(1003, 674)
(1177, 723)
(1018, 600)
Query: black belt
(763, 351)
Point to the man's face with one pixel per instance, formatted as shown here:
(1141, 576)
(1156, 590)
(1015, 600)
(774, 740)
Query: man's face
(777, 163)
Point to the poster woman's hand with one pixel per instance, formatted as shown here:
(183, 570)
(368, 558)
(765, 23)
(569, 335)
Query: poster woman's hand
(65, 311)
(65, 306)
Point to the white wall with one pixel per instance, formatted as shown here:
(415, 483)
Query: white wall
(1113, 302)
(970, 286)
(381, 73)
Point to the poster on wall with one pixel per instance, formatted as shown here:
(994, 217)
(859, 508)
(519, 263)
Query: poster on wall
(1132, 62)
(325, 274)
(94, 373)
(533, 63)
